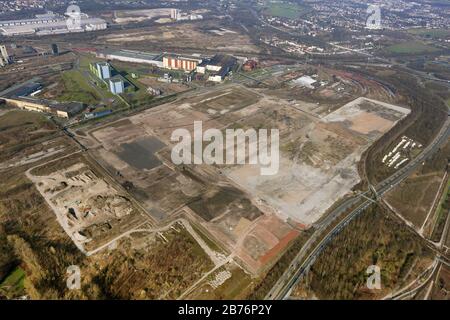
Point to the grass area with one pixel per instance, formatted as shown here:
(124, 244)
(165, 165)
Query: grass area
(77, 89)
(284, 9)
(21, 118)
(13, 285)
(20, 130)
(211, 244)
(86, 60)
(17, 117)
(81, 85)
(414, 197)
(411, 47)
(430, 33)
(233, 288)
(443, 210)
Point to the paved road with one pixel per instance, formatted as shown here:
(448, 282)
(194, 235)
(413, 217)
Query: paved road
(297, 269)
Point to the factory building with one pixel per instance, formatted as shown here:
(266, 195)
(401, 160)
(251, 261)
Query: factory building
(103, 70)
(114, 81)
(155, 59)
(47, 18)
(20, 96)
(116, 85)
(49, 23)
(218, 67)
(175, 62)
(62, 110)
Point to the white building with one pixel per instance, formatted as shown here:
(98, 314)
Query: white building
(116, 86)
(104, 70)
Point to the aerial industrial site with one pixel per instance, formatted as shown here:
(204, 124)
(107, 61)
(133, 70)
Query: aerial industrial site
(224, 150)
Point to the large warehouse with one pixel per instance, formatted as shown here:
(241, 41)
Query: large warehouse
(176, 62)
(218, 67)
(155, 59)
(21, 96)
(49, 23)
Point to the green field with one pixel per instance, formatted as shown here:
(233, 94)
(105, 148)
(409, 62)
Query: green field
(211, 244)
(81, 85)
(411, 47)
(76, 88)
(13, 285)
(430, 33)
(25, 119)
(284, 9)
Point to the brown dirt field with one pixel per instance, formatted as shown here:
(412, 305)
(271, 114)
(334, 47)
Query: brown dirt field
(273, 235)
(366, 123)
(275, 251)
(448, 240)
(441, 290)
(414, 197)
(186, 35)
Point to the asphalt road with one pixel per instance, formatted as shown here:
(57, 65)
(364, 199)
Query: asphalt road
(297, 269)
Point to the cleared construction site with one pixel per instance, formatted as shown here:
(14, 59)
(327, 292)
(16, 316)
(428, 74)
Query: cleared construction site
(319, 159)
(251, 216)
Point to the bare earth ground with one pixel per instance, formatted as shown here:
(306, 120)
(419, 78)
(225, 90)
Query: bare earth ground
(418, 198)
(91, 210)
(441, 289)
(127, 16)
(143, 263)
(320, 167)
(412, 204)
(186, 35)
(244, 211)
